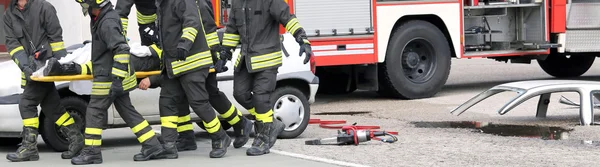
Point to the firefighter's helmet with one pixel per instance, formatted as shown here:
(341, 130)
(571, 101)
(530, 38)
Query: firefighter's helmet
(94, 3)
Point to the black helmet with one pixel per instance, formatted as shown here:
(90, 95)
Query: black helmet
(94, 3)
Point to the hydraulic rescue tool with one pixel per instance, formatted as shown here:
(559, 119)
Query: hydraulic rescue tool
(351, 134)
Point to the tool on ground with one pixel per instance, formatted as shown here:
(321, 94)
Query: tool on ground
(351, 134)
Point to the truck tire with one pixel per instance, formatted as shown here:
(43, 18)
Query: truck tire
(50, 131)
(289, 102)
(417, 62)
(561, 66)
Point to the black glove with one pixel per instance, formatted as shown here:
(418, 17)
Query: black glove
(148, 32)
(305, 48)
(116, 88)
(40, 54)
(225, 53)
(181, 54)
(220, 66)
(27, 72)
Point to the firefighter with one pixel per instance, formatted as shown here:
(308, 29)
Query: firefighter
(113, 79)
(186, 63)
(255, 70)
(146, 17)
(31, 27)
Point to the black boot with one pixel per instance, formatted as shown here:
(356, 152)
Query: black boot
(220, 142)
(186, 141)
(75, 139)
(242, 132)
(170, 151)
(88, 155)
(28, 150)
(277, 128)
(54, 68)
(150, 152)
(261, 144)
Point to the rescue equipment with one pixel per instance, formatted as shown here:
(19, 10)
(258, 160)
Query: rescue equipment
(350, 134)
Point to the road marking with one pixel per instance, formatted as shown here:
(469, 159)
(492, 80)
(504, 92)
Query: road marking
(307, 157)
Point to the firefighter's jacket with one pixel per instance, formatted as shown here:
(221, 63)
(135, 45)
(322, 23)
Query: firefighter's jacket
(35, 27)
(180, 26)
(255, 25)
(146, 12)
(208, 20)
(110, 53)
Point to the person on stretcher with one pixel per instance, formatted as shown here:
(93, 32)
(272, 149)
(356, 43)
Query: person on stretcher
(145, 58)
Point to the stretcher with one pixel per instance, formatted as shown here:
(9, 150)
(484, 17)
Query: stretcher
(139, 74)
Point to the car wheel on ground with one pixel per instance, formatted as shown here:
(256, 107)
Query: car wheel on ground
(50, 131)
(291, 107)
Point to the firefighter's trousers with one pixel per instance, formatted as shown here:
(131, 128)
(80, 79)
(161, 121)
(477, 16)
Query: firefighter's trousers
(192, 86)
(253, 91)
(95, 120)
(217, 99)
(45, 95)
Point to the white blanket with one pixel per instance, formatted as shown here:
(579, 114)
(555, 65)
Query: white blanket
(84, 54)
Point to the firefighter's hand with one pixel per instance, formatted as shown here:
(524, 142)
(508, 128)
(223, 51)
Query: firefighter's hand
(220, 66)
(305, 48)
(181, 54)
(116, 88)
(27, 72)
(225, 53)
(144, 83)
(149, 32)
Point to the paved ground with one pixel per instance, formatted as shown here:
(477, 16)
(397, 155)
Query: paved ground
(416, 146)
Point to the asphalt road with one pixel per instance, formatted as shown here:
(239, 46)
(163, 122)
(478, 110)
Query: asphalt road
(416, 146)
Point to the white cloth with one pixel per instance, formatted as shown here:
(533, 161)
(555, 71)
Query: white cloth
(84, 54)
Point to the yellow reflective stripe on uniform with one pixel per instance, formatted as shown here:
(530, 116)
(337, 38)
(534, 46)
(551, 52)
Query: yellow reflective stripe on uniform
(119, 72)
(237, 61)
(15, 50)
(212, 126)
(124, 23)
(234, 120)
(146, 136)
(168, 121)
(185, 127)
(93, 131)
(56, 46)
(252, 111)
(100, 88)
(191, 62)
(183, 119)
(212, 39)
(31, 122)
(293, 25)
(140, 126)
(266, 60)
(266, 117)
(129, 82)
(231, 40)
(189, 33)
(23, 82)
(93, 142)
(63, 118)
(157, 50)
(145, 19)
(70, 121)
(229, 112)
(122, 58)
(88, 64)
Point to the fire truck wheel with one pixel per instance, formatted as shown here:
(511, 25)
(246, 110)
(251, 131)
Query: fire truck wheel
(417, 61)
(561, 66)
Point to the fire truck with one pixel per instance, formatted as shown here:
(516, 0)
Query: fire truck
(403, 48)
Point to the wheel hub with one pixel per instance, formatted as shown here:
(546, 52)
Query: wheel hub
(418, 60)
(412, 59)
(289, 110)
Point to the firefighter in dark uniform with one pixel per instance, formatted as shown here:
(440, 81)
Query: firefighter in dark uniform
(186, 63)
(146, 17)
(32, 26)
(113, 79)
(255, 70)
(217, 99)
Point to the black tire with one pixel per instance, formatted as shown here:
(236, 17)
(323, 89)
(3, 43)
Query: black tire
(224, 124)
(420, 50)
(561, 66)
(50, 132)
(293, 94)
